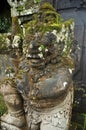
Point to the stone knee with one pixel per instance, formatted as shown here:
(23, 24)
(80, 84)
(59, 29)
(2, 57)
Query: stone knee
(11, 97)
(15, 116)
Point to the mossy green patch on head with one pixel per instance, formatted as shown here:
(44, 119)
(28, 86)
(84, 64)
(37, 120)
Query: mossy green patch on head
(37, 1)
(46, 6)
(43, 21)
(51, 17)
(55, 26)
(47, 20)
(20, 8)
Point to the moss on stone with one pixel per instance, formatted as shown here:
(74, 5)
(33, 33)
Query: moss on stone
(46, 6)
(3, 107)
(29, 4)
(4, 43)
(16, 28)
(48, 20)
(78, 121)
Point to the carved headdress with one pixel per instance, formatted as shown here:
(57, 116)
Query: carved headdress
(48, 38)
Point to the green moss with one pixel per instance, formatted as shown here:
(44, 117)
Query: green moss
(3, 107)
(45, 16)
(4, 44)
(46, 6)
(20, 8)
(52, 17)
(31, 4)
(47, 20)
(38, 1)
(16, 29)
(68, 22)
(55, 26)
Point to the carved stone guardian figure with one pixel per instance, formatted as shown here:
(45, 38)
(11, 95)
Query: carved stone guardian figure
(39, 95)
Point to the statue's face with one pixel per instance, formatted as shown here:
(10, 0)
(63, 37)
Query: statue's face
(42, 51)
(47, 37)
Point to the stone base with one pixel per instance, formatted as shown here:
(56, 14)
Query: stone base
(5, 126)
(12, 120)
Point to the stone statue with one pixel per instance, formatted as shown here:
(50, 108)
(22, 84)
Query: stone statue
(39, 94)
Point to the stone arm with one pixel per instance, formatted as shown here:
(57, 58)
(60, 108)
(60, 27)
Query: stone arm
(22, 83)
